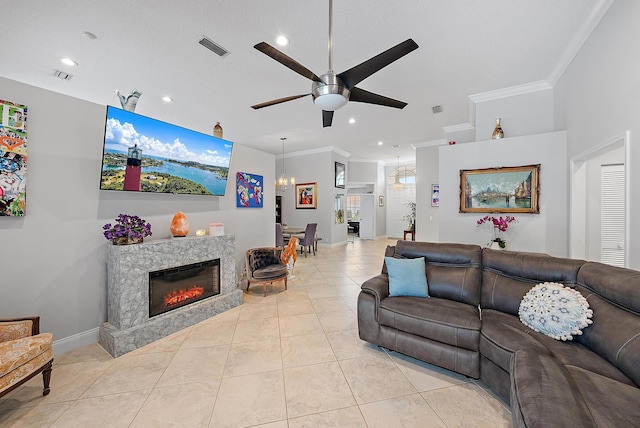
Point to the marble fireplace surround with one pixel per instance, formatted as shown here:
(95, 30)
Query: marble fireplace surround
(128, 325)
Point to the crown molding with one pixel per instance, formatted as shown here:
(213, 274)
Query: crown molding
(363, 160)
(579, 38)
(432, 143)
(527, 88)
(457, 128)
(316, 151)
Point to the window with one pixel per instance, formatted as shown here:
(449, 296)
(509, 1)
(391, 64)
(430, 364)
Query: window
(353, 208)
(405, 174)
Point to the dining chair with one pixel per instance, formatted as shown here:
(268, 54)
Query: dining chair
(309, 239)
(279, 236)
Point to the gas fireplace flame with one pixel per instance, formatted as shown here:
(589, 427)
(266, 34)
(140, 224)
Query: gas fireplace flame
(177, 297)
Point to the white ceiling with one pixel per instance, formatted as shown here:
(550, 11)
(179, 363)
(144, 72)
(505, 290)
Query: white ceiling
(466, 47)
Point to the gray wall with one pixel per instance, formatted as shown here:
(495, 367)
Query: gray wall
(54, 258)
(315, 166)
(597, 98)
(427, 173)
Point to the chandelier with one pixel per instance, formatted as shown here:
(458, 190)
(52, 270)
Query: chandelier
(398, 185)
(283, 182)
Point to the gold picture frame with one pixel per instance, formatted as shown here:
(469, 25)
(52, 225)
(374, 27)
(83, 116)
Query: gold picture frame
(514, 189)
(307, 195)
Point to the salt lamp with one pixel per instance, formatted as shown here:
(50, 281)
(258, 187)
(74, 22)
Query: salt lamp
(179, 225)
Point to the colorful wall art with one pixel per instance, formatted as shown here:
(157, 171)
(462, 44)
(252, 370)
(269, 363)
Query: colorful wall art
(248, 190)
(13, 158)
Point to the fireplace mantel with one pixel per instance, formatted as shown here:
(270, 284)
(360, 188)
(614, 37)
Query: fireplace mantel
(128, 325)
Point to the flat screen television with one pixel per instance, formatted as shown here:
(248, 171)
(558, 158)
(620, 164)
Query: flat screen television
(142, 154)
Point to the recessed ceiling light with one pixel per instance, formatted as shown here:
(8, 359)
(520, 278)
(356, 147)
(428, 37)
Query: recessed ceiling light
(282, 41)
(68, 61)
(167, 99)
(380, 143)
(352, 121)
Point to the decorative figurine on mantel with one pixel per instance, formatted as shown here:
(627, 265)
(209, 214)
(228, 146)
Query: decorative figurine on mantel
(179, 225)
(217, 130)
(129, 102)
(497, 132)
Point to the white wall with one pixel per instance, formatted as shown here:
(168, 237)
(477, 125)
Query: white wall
(427, 173)
(317, 167)
(546, 232)
(54, 258)
(597, 98)
(525, 114)
(381, 212)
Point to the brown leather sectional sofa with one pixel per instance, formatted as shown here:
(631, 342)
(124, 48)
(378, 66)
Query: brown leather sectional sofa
(470, 325)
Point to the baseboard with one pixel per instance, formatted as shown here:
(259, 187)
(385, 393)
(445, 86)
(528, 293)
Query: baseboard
(76, 341)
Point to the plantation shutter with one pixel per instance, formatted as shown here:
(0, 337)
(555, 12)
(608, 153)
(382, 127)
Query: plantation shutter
(612, 209)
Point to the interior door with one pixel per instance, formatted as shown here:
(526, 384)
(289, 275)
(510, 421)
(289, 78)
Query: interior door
(612, 221)
(366, 216)
(397, 209)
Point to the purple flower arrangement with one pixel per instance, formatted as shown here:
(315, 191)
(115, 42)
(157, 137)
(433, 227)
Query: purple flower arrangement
(127, 226)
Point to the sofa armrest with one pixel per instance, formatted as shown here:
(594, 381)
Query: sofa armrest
(378, 286)
(18, 328)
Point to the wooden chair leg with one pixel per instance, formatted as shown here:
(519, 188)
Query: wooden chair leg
(248, 283)
(285, 282)
(264, 289)
(46, 377)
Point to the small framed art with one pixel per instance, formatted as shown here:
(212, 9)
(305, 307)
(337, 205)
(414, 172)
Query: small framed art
(306, 196)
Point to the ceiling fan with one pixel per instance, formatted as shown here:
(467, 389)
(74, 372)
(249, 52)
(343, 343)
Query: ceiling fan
(332, 91)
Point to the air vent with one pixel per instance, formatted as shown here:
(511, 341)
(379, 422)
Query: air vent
(436, 109)
(212, 46)
(62, 75)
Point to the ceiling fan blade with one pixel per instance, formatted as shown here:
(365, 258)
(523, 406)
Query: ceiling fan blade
(278, 101)
(362, 96)
(327, 118)
(287, 61)
(357, 74)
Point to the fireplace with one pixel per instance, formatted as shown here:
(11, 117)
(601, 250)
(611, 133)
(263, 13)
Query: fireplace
(173, 288)
(130, 324)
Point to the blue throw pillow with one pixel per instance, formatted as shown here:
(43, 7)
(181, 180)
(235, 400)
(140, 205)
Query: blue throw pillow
(407, 277)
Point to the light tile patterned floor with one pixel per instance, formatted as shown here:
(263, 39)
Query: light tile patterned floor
(291, 359)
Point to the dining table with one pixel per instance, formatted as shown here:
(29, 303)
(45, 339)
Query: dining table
(290, 231)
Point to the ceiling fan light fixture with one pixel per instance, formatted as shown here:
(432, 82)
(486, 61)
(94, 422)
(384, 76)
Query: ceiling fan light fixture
(330, 102)
(330, 94)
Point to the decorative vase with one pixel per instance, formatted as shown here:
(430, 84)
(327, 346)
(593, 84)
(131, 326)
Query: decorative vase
(496, 246)
(127, 241)
(217, 130)
(497, 132)
(179, 225)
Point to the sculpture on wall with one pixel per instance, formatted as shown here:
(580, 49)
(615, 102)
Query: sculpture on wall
(129, 102)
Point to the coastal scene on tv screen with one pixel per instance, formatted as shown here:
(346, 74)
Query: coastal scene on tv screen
(147, 155)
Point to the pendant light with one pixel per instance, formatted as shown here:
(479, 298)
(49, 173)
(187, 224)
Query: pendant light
(398, 185)
(283, 182)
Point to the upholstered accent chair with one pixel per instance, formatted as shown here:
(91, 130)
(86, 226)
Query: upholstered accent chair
(264, 266)
(24, 352)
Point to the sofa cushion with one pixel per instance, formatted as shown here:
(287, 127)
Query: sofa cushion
(442, 320)
(507, 276)
(407, 277)
(453, 270)
(556, 311)
(543, 394)
(614, 334)
(503, 334)
(270, 272)
(611, 403)
(15, 353)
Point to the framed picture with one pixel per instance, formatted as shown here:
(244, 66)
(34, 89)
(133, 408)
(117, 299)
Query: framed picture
(13, 159)
(500, 190)
(248, 190)
(306, 196)
(435, 195)
(381, 201)
(339, 174)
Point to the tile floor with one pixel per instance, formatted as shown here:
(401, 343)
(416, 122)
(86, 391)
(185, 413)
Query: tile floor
(291, 359)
